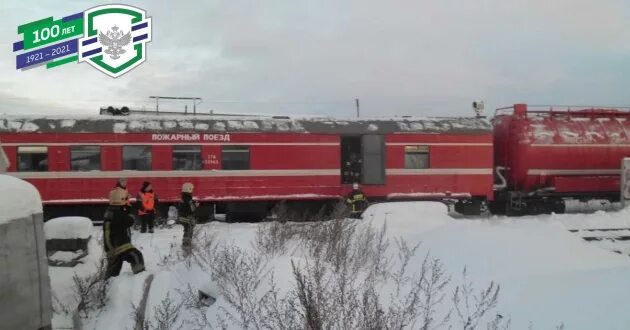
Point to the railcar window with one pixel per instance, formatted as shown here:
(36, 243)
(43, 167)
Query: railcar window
(32, 159)
(187, 158)
(235, 157)
(416, 157)
(85, 158)
(137, 158)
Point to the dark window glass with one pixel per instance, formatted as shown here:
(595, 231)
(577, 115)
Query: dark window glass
(85, 158)
(235, 157)
(32, 159)
(187, 158)
(416, 157)
(137, 158)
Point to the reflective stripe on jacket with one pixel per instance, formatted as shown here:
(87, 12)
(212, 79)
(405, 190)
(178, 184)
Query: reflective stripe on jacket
(357, 201)
(187, 220)
(123, 248)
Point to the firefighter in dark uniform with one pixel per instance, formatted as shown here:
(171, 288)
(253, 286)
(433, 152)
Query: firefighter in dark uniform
(147, 203)
(356, 201)
(117, 237)
(352, 168)
(186, 213)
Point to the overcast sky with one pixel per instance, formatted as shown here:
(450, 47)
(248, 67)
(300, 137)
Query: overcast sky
(314, 57)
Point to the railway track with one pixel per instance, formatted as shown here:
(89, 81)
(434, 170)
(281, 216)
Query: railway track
(613, 239)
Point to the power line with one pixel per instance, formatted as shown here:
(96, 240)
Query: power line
(117, 100)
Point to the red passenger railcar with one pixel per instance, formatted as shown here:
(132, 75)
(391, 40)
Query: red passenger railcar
(246, 165)
(546, 154)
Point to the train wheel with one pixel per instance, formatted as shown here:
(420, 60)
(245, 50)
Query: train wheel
(497, 207)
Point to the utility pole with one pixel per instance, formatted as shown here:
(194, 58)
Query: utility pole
(157, 104)
(357, 103)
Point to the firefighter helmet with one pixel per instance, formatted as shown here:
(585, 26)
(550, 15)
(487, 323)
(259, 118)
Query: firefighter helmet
(188, 187)
(118, 197)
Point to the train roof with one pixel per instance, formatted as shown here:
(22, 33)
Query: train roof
(223, 124)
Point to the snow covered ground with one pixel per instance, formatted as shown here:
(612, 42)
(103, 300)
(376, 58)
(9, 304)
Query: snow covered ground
(547, 275)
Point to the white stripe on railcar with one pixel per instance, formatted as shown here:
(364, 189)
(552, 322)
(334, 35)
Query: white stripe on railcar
(581, 145)
(439, 171)
(573, 172)
(63, 144)
(172, 174)
(445, 144)
(237, 173)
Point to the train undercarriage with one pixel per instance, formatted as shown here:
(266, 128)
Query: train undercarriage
(254, 211)
(517, 203)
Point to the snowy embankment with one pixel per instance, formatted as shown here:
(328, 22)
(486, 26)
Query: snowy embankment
(547, 275)
(18, 199)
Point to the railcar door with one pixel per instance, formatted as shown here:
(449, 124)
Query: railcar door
(373, 152)
(351, 159)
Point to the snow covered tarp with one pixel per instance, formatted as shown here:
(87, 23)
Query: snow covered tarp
(68, 228)
(25, 301)
(70, 235)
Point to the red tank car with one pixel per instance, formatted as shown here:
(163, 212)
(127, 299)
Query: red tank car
(546, 154)
(245, 165)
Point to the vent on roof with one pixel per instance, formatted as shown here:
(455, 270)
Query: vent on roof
(124, 111)
(281, 117)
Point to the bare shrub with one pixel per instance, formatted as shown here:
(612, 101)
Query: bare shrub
(431, 283)
(499, 323)
(340, 210)
(91, 291)
(238, 275)
(60, 307)
(165, 315)
(272, 237)
(471, 308)
(339, 300)
(338, 285)
(404, 256)
(192, 303)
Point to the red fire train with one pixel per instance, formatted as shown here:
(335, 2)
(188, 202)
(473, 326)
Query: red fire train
(246, 165)
(526, 161)
(543, 155)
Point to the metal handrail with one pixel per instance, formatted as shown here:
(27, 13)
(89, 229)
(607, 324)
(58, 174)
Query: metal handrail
(569, 109)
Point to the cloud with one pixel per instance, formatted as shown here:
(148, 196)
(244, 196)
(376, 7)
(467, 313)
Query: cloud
(409, 57)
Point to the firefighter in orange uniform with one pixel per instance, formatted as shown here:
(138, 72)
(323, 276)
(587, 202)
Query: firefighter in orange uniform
(147, 203)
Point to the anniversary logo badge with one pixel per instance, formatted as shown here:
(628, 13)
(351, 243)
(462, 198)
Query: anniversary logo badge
(111, 38)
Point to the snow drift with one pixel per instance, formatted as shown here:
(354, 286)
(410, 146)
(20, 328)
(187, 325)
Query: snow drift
(547, 275)
(19, 199)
